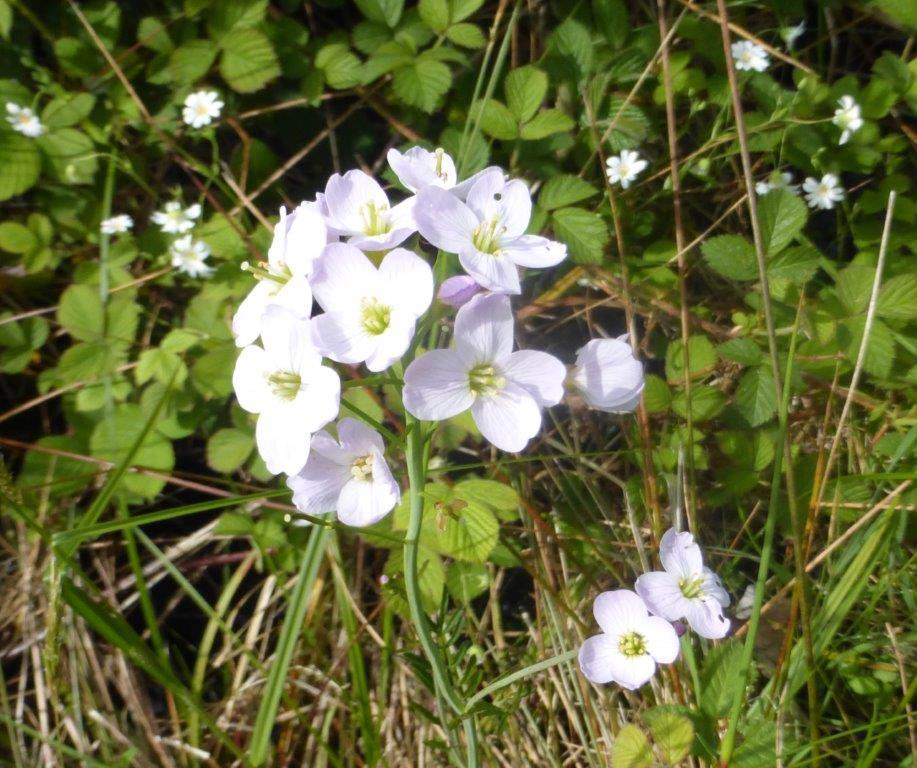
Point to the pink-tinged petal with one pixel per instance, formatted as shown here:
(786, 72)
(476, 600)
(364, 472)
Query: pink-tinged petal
(340, 336)
(462, 189)
(492, 271)
(346, 195)
(705, 616)
(393, 342)
(330, 449)
(485, 195)
(458, 291)
(713, 587)
(484, 330)
(508, 418)
(436, 386)
(661, 640)
(444, 220)
(679, 554)
(541, 374)
(662, 595)
(305, 239)
(249, 379)
(283, 443)
(246, 323)
(534, 251)
(342, 277)
(515, 207)
(317, 486)
(359, 439)
(595, 658)
(406, 281)
(619, 611)
(319, 400)
(287, 339)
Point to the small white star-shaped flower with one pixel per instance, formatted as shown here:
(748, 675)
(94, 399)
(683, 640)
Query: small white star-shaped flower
(201, 108)
(750, 56)
(848, 117)
(174, 219)
(116, 225)
(823, 194)
(189, 257)
(24, 120)
(624, 168)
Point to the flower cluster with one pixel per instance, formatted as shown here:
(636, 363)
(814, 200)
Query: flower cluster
(348, 253)
(637, 633)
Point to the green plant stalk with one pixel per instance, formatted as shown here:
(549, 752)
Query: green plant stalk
(417, 477)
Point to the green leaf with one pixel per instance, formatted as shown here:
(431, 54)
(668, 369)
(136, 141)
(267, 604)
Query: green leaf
(673, 733)
(897, 298)
(162, 365)
(701, 358)
(657, 397)
(497, 121)
(525, 89)
(782, 216)
(740, 350)
(6, 19)
(499, 498)
(212, 373)
(80, 313)
(466, 35)
(435, 14)
(572, 39)
(465, 581)
(248, 62)
(431, 577)
(755, 396)
(20, 161)
(631, 749)
(385, 11)
(66, 111)
(423, 83)
(731, 256)
(722, 667)
(758, 746)
(798, 265)
(631, 125)
(585, 234)
(71, 155)
(20, 340)
(16, 238)
(706, 403)
(546, 123)
(228, 449)
(235, 524)
(563, 190)
(880, 351)
(854, 286)
(191, 61)
(152, 34)
(223, 17)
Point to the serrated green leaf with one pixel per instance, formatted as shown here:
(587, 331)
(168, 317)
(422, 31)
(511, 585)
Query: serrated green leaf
(223, 17)
(701, 358)
(546, 123)
(462, 9)
(66, 111)
(191, 61)
(435, 14)
(731, 256)
(631, 749)
(755, 396)
(71, 155)
(880, 350)
(798, 265)
(742, 351)
(465, 581)
(497, 121)
(657, 397)
(585, 234)
(706, 403)
(722, 666)
(466, 35)
(854, 286)
(499, 498)
(152, 34)
(20, 161)
(16, 238)
(572, 39)
(897, 298)
(228, 449)
(385, 11)
(248, 61)
(423, 83)
(525, 89)
(672, 733)
(563, 190)
(162, 365)
(782, 216)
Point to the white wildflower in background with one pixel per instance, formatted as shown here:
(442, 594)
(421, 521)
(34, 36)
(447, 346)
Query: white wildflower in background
(487, 231)
(631, 644)
(23, 120)
(358, 208)
(823, 194)
(116, 225)
(299, 238)
(791, 34)
(746, 603)
(419, 168)
(505, 390)
(624, 168)
(686, 589)
(847, 117)
(285, 383)
(175, 219)
(750, 56)
(608, 375)
(202, 108)
(348, 476)
(370, 313)
(189, 256)
(777, 181)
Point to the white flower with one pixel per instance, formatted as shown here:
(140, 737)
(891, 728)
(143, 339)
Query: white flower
(505, 390)
(116, 224)
(777, 181)
(848, 117)
(23, 120)
(350, 477)
(608, 375)
(750, 56)
(358, 209)
(285, 383)
(791, 34)
(488, 231)
(370, 313)
(632, 642)
(686, 588)
(299, 238)
(176, 220)
(189, 256)
(624, 168)
(201, 108)
(823, 194)
(419, 168)
(746, 604)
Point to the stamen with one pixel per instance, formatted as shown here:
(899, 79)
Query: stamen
(263, 272)
(439, 163)
(632, 644)
(285, 385)
(375, 219)
(484, 379)
(375, 317)
(692, 587)
(486, 236)
(362, 467)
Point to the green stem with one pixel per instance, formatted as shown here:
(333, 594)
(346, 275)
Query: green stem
(520, 674)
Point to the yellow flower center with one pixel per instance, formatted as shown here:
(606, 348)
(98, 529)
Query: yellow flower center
(485, 379)
(362, 467)
(375, 316)
(285, 385)
(632, 644)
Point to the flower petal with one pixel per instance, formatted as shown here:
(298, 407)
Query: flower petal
(534, 251)
(287, 339)
(444, 220)
(317, 486)
(493, 271)
(406, 281)
(508, 418)
(662, 595)
(661, 640)
(358, 438)
(246, 323)
(484, 330)
(595, 658)
(706, 618)
(340, 336)
(541, 374)
(436, 386)
(619, 611)
(346, 195)
(342, 277)
(319, 400)
(364, 502)
(282, 442)
(393, 342)
(249, 379)
(680, 555)
(305, 239)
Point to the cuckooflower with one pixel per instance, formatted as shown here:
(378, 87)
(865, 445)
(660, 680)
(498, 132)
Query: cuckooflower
(201, 108)
(505, 390)
(608, 375)
(358, 209)
(487, 231)
(189, 256)
(458, 291)
(419, 168)
(823, 194)
(349, 476)
(750, 56)
(24, 120)
(777, 181)
(686, 588)
(624, 168)
(370, 313)
(116, 225)
(631, 644)
(299, 238)
(848, 117)
(285, 383)
(174, 219)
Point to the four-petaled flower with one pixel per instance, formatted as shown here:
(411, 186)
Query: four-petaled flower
(624, 168)
(201, 108)
(686, 589)
(505, 390)
(487, 231)
(357, 208)
(631, 644)
(189, 256)
(285, 383)
(608, 375)
(116, 225)
(823, 194)
(847, 117)
(174, 219)
(418, 168)
(750, 56)
(24, 120)
(349, 476)
(370, 313)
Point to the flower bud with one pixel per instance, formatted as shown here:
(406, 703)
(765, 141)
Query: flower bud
(459, 290)
(608, 375)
